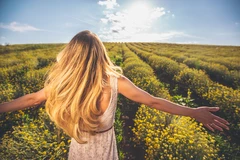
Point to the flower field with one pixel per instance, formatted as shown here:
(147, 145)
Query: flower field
(191, 75)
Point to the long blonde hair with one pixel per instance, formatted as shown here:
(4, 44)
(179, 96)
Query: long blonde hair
(75, 83)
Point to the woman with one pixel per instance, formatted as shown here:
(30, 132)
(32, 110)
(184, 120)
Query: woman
(81, 95)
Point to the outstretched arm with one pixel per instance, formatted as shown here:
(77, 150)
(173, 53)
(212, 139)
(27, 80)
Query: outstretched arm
(23, 102)
(201, 114)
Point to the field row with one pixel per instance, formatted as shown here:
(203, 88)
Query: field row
(224, 55)
(213, 94)
(164, 136)
(217, 70)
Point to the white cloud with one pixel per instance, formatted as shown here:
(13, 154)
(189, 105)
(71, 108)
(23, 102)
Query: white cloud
(110, 4)
(131, 21)
(155, 37)
(157, 12)
(17, 27)
(104, 20)
(2, 37)
(141, 37)
(135, 24)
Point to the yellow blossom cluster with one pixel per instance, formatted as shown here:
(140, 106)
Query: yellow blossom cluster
(29, 134)
(165, 136)
(37, 138)
(201, 84)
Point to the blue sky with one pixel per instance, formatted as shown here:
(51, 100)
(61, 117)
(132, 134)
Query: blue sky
(172, 21)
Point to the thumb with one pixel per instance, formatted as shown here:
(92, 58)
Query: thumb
(213, 109)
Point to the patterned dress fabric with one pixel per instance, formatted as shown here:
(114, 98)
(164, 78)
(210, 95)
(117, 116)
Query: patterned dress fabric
(101, 146)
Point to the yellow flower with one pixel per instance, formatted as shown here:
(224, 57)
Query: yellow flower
(45, 131)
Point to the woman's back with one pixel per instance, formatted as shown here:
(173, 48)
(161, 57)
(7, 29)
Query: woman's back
(77, 84)
(105, 97)
(102, 145)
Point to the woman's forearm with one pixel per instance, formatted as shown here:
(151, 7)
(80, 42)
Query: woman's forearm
(172, 108)
(17, 104)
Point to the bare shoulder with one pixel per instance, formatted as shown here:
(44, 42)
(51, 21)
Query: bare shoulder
(123, 84)
(121, 80)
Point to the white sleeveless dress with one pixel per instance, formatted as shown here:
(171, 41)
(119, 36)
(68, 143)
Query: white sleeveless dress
(101, 146)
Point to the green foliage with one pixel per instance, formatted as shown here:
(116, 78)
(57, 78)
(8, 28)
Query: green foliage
(161, 135)
(228, 150)
(35, 138)
(206, 90)
(118, 125)
(116, 57)
(210, 73)
(29, 133)
(164, 136)
(216, 94)
(142, 74)
(185, 101)
(221, 64)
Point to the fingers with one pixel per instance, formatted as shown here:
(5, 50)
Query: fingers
(221, 120)
(221, 125)
(216, 127)
(212, 126)
(209, 127)
(218, 123)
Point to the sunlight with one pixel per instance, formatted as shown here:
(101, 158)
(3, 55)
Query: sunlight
(138, 14)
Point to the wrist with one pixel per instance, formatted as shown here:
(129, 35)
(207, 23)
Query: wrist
(192, 113)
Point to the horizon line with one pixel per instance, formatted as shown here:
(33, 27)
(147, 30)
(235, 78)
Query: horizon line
(230, 45)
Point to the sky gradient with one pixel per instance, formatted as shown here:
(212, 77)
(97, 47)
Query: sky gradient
(214, 22)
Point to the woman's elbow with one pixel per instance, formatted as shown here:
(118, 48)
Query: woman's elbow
(35, 99)
(153, 102)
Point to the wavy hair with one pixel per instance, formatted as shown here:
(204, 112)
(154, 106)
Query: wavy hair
(75, 83)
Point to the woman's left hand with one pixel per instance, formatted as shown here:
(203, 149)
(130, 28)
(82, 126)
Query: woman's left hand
(203, 114)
